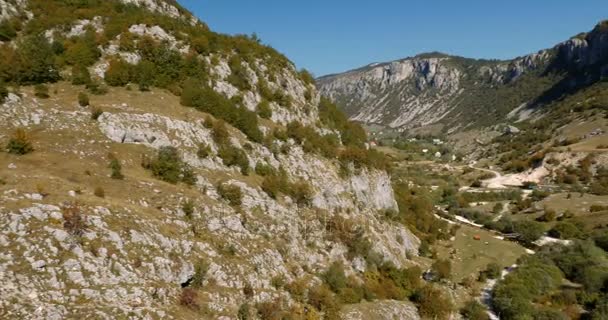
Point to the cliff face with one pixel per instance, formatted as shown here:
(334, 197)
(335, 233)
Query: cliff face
(141, 240)
(461, 93)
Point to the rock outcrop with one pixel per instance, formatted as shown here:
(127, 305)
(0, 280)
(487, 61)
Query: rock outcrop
(458, 93)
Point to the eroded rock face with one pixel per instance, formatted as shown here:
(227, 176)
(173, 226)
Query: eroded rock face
(418, 91)
(586, 50)
(437, 89)
(139, 246)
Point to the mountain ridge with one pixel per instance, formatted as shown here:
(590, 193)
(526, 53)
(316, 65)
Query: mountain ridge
(373, 94)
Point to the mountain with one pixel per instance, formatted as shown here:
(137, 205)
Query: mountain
(459, 94)
(152, 168)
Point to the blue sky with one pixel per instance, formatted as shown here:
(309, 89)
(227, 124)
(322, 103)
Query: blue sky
(328, 36)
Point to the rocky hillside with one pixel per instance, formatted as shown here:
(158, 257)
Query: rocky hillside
(459, 93)
(151, 168)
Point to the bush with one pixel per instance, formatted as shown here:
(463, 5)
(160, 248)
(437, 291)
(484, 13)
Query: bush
(41, 91)
(219, 132)
(433, 303)
(264, 110)
(528, 231)
(264, 170)
(301, 192)
(19, 143)
(334, 277)
(473, 310)
(83, 51)
(168, 167)
(205, 99)
(3, 91)
(322, 298)
(565, 230)
(493, 271)
(7, 30)
(99, 192)
(116, 168)
(233, 156)
(83, 99)
(34, 61)
(442, 269)
(118, 73)
(188, 208)
(80, 75)
(74, 222)
(204, 151)
(96, 113)
(231, 193)
(188, 298)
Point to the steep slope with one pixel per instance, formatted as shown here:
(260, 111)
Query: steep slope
(123, 203)
(460, 93)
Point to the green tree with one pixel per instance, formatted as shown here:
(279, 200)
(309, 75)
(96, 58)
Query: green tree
(34, 61)
(118, 73)
(80, 75)
(529, 231)
(83, 52)
(145, 72)
(473, 310)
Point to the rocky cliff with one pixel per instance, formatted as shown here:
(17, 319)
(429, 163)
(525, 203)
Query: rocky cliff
(459, 93)
(78, 242)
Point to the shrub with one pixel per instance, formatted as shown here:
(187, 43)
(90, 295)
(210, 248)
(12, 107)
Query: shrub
(433, 303)
(200, 272)
(41, 91)
(205, 99)
(80, 75)
(116, 168)
(498, 207)
(188, 208)
(83, 51)
(83, 99)
(264, 110)
(597, 208)
(334, 277)
(528, 231)
(306, 76)
(492, 271)
(244, 312)
(322, 298)
(301, 192)
(19, 143)
(442, 269)
(565, 230)
(74, 222)
(96, 88)
(7, 30)
(188, 298)
(118, 73)
(34, 61)
(271, 310)
(233, 156)
(96, 113)
(99, 192)
(168, 167)
(473, 310)
(219, 132)
(264, 170)
(231, 193)
(203, 151)
(3, 91)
